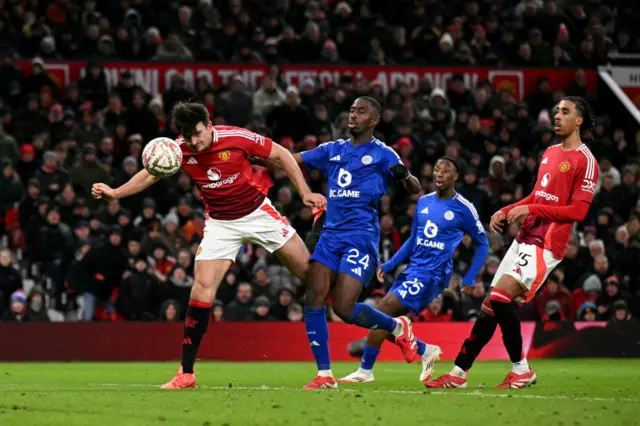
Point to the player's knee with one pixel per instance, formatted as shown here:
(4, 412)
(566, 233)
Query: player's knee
(500, 296)
(343, 310)
(314, 297)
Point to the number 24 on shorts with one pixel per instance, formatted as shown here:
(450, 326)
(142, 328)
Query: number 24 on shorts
(354, 254)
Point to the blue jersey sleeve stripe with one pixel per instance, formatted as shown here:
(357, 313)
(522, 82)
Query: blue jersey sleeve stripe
(470, 206)
(387, 148)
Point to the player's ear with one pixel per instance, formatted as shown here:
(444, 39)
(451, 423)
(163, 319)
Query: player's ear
(209, 126)
(375, 121)
(579, 121)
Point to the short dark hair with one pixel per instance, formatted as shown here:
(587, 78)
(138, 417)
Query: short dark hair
(187, 115)
(584, 110)
(375, 104)
(453, 161)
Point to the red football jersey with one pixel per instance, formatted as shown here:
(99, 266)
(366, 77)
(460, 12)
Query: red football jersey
(563, 177)
(228, 185)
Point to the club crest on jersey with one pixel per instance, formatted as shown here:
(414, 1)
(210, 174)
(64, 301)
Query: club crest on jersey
(224, 155)
(366, 160)
(449, 215)
(198, 251)
(545, 179)
(565, 166)
(214, 174)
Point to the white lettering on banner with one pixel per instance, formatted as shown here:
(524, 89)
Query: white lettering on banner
(157, 80)
(324, 77)
(344, 193)
(188, 75)
(147, 78)
(156, 76)
(389, 80)
(626, 76)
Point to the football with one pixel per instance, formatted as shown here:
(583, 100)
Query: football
(162, 157)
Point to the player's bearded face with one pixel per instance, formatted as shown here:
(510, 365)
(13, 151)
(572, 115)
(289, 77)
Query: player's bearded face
(201, 137)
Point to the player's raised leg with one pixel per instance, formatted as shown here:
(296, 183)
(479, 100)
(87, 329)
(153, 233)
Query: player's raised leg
(346, 293)
(391, 306)
(295, 256)
(319, 282)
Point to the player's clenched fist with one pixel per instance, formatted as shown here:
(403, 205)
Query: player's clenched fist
(100, 190)
(496, 221)
(314, 200)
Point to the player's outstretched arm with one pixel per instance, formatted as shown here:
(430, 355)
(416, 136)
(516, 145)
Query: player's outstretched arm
(271, 164)
(405, 251)
(289, 164)
(138, 183)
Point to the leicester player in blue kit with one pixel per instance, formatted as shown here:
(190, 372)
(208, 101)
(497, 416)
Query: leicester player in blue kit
(346, 256)
(441, 220)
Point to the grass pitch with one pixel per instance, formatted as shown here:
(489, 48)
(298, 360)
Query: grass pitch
(569, 393)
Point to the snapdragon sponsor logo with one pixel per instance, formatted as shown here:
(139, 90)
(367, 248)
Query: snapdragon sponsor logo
(547, 196)
(222, 182)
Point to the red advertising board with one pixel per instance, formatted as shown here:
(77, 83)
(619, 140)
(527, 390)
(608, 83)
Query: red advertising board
(276, 341)
(240, 341)
(155, 77)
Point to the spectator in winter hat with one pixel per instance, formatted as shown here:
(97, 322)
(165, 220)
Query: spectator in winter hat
(36, 305)
(261, 310)
(17, 308)
(295, 313)
(620, 312)
(284, 299)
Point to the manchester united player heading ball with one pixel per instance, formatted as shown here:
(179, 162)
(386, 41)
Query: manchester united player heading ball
(562, 196)
(217, 160)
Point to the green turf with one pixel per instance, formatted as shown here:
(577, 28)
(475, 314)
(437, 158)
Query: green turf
(569, 393)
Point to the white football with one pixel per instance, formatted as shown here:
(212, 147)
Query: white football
(162, 157)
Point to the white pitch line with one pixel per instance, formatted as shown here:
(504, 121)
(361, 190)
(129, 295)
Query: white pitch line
(475, 393)
(472, 393)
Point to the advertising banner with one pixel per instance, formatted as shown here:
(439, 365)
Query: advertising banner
(155, 77)
(274, 341)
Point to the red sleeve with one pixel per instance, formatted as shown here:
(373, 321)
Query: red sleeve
(585, 179)
(253, 144)
(526, 200)
(574, 212)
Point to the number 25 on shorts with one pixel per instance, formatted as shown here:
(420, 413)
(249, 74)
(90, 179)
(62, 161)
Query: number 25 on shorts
(412, 287)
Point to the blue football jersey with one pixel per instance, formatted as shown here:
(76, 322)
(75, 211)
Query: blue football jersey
(437, 230)
(357, 178)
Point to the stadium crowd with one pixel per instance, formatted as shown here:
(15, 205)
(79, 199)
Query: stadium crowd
(69, 257)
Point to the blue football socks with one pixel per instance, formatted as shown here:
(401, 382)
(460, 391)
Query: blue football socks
(315, 321)
(367, 316)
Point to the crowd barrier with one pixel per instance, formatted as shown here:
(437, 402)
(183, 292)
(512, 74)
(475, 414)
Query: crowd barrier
(246, 341)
